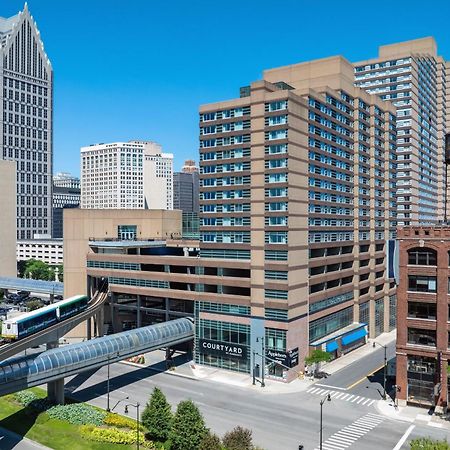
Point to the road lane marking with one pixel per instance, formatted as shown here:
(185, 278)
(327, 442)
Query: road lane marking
(403, 438)
(332, 387)
(364, 377)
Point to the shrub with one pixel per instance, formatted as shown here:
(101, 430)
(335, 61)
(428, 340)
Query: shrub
(77, 414)
(25, 397)
(188, 427)
(238, 439)
(428, 444)
(116, 420)
(210, 442)
(113, 436)
(157, 416)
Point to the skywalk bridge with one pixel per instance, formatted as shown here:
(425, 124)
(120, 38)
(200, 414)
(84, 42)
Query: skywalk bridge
(53, 365)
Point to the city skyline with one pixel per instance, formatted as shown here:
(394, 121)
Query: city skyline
(181, 74)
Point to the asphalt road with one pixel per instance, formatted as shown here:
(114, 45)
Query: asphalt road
(278, 421)
(365, 376)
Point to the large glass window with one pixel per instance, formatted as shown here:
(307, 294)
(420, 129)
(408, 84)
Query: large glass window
(276, 339)
(379, 316)
(422, 337)
(422, 257)
(420, 283)
(422, 310)
(333, 322)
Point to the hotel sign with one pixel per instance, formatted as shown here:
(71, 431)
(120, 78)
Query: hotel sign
(288, 359)
(224, 349)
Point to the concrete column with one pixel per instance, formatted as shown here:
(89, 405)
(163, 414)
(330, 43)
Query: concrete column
(372, 332)
(167, 305)
(89, 328)
(100, 322)
(138, 312)
(55, 391)
(52, 298)
(402, 379)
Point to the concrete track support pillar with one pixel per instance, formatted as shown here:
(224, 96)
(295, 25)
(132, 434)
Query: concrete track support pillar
(55, 389)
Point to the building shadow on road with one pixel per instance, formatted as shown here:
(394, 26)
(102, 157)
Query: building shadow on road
(18, 423)
(377, 378)
(123, 380)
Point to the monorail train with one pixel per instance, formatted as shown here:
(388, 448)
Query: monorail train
(34, 321)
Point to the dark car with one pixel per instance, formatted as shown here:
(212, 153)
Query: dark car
(58, 297)
(23, 294)
(321, 374)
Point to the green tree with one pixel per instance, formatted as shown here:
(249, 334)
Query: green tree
(157, 416)
(316, 358)
(428, 444)
(34, 304)
(238, 439)
(39, 270)
(210, 442)
(188, 427)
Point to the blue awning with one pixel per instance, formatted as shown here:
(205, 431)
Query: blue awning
(331, 346)
(355, 336)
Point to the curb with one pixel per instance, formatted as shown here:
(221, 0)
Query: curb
(168, 372)
(22, 439)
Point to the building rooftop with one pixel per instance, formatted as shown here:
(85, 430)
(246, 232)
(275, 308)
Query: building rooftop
(117, 243)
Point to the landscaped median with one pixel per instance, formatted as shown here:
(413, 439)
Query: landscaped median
(77, 426)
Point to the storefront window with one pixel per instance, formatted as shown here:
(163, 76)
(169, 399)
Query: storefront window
(333, 322)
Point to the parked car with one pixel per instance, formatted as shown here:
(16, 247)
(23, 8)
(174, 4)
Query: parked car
(58, 297)
(23, 294)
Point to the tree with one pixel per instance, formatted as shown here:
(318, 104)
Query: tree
(210, 442)
(34, 304)
(188, 427)
(157, 416)
(38, 270)
(316, 358)
(238, 439)
(428, 444)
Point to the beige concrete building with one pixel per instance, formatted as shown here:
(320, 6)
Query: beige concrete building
(8, 264)
(296, 184)
(88, 231)
(413, 77)
(126, 175)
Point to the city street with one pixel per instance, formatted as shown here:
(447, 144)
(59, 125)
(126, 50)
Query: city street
(278, 420)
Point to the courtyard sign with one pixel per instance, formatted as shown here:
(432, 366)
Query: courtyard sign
(224, 349)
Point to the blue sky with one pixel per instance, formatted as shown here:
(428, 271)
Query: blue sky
(139, 69)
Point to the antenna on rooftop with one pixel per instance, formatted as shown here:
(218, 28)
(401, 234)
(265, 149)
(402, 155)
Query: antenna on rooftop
(447, 163)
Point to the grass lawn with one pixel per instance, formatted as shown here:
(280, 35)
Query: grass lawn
(54, 433)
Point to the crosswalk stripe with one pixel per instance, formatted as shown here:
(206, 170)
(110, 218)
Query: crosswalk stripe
(356, 398)
(360, 400)
(370, 403)
(356, 434)
(338, 444)
(312, 390)
(345, 397)
(367, 401)
(344, 437)
(365, 424)
(341, 394)
(333, 394)
(357, 429)
(351, 396)
(376, 415)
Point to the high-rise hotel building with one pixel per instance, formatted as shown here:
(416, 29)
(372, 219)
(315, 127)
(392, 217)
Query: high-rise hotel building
(126, 175)
(412, 77)
(26, 112)
(298, 191)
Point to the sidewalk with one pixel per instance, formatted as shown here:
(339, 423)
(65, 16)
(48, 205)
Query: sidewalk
(155, 361)
(12, 441)
(411, 414)
(355, 355)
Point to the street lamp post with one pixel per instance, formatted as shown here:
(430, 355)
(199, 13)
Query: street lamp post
(135, 405)
(263, 359)
(325, 399)
(385, 367)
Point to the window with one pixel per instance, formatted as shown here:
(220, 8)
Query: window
(422, 257)
(417, 336)
(420, 283)
(422, 310)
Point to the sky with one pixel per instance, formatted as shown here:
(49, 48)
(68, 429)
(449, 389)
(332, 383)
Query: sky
(139, 69)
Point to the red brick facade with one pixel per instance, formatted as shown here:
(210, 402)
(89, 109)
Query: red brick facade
(410, 350)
